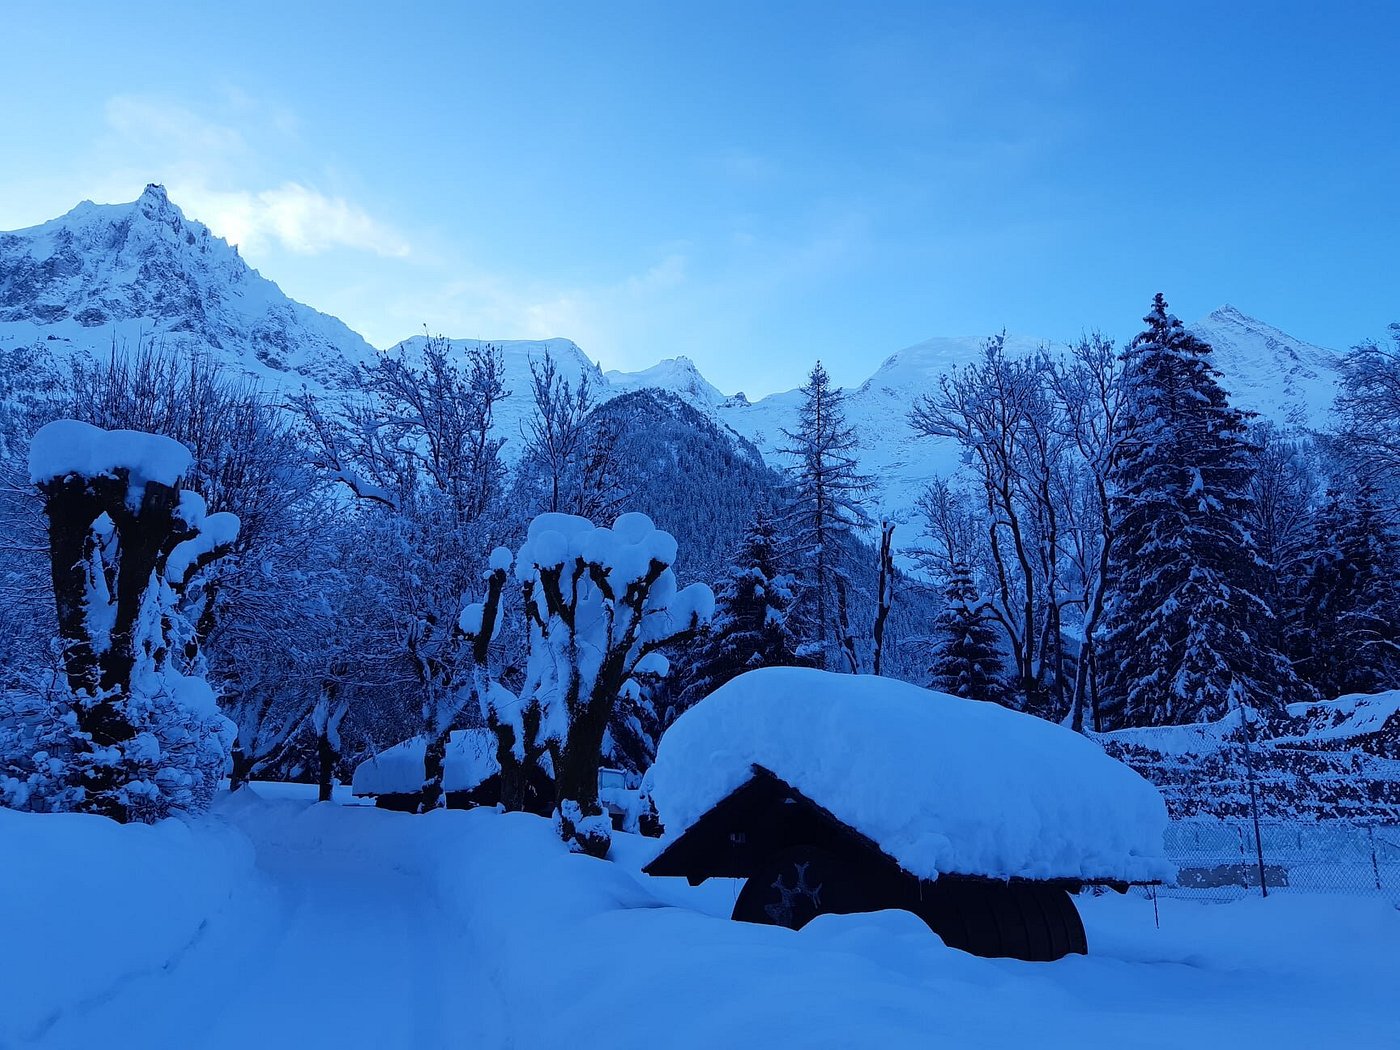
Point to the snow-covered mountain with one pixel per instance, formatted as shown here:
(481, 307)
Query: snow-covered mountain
(1266, 371)
(675, 375)
(1283, 379)
(105, 273)
(900, 461)
(129, 272)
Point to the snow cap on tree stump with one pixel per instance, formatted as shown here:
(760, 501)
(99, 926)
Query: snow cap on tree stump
(67, 446)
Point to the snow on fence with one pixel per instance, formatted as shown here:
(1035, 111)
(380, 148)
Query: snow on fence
(1220, 860)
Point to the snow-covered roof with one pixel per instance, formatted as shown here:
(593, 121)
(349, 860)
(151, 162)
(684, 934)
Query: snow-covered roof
(470, 759)
(941, 784)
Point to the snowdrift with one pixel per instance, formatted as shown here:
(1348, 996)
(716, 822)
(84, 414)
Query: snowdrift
(362, 929)
(941, 784)
(88, 905)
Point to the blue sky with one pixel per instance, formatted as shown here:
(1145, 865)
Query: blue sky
(753, 185)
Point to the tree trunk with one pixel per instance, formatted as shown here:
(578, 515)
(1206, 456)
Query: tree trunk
(886, 585)
(99, 669)
(1081, 682)
(434, 760)
(327, 755)
(576, 781)
(846, 637)
(242, 771)
(1094, 690)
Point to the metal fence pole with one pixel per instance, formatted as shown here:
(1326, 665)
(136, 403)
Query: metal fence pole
(1253, 800)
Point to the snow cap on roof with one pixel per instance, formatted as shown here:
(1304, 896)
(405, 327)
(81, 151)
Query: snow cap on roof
(941, 784)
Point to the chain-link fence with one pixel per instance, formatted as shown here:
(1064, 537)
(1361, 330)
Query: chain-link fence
(1223, 860)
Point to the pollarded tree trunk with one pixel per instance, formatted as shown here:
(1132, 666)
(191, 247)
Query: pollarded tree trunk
(597, 623)
(576, 782)
(86, 515)
(116, 522)
(513, 780)
(516, 772)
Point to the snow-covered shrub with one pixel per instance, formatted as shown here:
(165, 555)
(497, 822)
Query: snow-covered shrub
(132, 736)
(602, 603)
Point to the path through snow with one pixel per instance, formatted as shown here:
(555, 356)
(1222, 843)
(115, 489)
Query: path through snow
(333, 944)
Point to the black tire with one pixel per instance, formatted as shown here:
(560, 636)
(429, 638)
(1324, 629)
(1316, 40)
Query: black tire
(793, 887)
(1034, 921)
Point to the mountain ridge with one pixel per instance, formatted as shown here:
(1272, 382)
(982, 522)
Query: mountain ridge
(120, 273)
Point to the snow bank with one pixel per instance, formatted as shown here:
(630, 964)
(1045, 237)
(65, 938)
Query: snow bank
(88, 905)
(478, 928)
(470, 759)
(942, 784)
(620, 960)
(1196, 738)
(67, 446)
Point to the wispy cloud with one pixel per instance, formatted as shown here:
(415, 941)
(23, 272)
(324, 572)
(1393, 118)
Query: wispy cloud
(298, 218)
(219, 173)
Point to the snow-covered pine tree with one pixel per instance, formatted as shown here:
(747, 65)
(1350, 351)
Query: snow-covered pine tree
(967, 659)
(1345, 637)
(1186, 635)
(827, 497)
(1284, 495)
(756, 616)
(1368, 438)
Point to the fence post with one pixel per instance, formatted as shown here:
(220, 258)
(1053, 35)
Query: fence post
(1253, 800)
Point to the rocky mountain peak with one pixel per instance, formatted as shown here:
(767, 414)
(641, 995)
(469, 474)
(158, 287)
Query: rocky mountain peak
(123, 273)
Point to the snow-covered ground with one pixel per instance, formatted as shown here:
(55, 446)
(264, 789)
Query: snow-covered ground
(275, 922)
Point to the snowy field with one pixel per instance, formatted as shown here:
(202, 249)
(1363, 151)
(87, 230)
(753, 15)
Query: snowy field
(274, 922)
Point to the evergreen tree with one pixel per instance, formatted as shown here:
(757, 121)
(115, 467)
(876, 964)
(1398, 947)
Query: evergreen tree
(966, 658)
(1346, 636)
(1186, 636)
(827, 500)
(757, 616)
